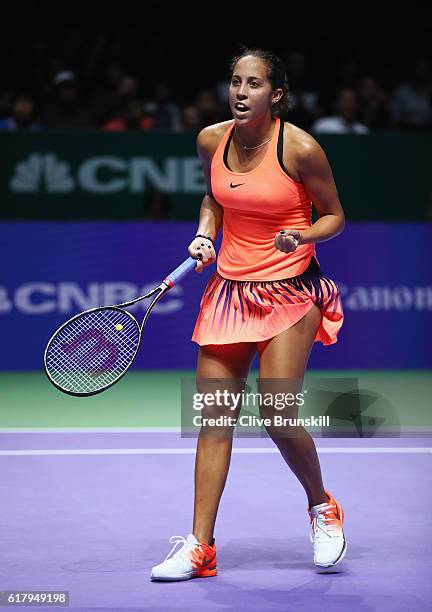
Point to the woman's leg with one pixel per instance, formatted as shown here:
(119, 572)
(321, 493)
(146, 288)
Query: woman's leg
(285, 357)
(229, 363)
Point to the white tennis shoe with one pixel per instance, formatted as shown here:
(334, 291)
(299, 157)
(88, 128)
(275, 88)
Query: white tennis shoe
(326, 533)
(193, 560)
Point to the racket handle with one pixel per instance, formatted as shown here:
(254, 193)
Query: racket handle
(176, 275)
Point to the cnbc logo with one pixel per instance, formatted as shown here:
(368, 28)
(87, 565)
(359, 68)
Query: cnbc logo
(42, 171)
(46, 173)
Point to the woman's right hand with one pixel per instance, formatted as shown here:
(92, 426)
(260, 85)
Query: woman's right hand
(202, 249)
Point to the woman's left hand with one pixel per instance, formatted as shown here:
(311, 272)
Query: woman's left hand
(288, 240)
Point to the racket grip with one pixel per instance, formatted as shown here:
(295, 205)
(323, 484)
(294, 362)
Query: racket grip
(176, 275)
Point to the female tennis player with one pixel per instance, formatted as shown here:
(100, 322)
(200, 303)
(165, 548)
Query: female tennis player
(268, 294)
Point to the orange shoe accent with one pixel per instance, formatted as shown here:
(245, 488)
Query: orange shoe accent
(204, 561)
(334, 514)
(206, 572)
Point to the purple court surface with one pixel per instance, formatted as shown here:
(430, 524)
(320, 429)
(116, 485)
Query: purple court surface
(91, 512)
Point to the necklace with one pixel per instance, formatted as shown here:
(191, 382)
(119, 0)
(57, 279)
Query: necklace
(250, 148)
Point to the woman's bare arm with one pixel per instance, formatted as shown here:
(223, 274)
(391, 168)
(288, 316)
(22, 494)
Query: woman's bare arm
(316, 174)
(211, 213)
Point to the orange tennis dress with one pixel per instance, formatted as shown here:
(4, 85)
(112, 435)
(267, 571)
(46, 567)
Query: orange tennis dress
(258, 291)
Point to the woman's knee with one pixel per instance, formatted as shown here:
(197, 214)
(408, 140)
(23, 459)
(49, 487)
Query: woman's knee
(278, 403)
(289, 433)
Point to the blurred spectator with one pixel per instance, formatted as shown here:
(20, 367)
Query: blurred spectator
(128, 86)
(114, 71)
(374, 111)
(157, 206)
(411, 101)
(127, 89)
(46, 65)
(162, 108)
(303, 95)
(347, 73)
(65, 113)
(132, 118)
(191, 119)
(22, 117)
(105, 61)
(6, 102)
(108, 101)
(221, 89)
(209, 107)
(222, 92)
(344, 121)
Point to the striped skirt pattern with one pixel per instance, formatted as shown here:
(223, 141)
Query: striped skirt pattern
(251, 311)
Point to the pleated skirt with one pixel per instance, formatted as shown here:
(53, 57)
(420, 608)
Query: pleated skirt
(252, 311)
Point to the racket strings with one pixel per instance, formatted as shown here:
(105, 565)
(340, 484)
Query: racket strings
(87, 370)
(83, 325)
(68, 337)
(102, 329)
(90, 353)
(73, 377)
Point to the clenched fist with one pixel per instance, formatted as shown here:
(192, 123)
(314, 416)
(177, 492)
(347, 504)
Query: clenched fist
(202, 249)
(288, 240)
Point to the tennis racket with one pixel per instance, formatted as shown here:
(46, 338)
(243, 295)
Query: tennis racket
(94, 349)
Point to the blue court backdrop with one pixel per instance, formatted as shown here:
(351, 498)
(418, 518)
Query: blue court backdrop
(50, 271)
